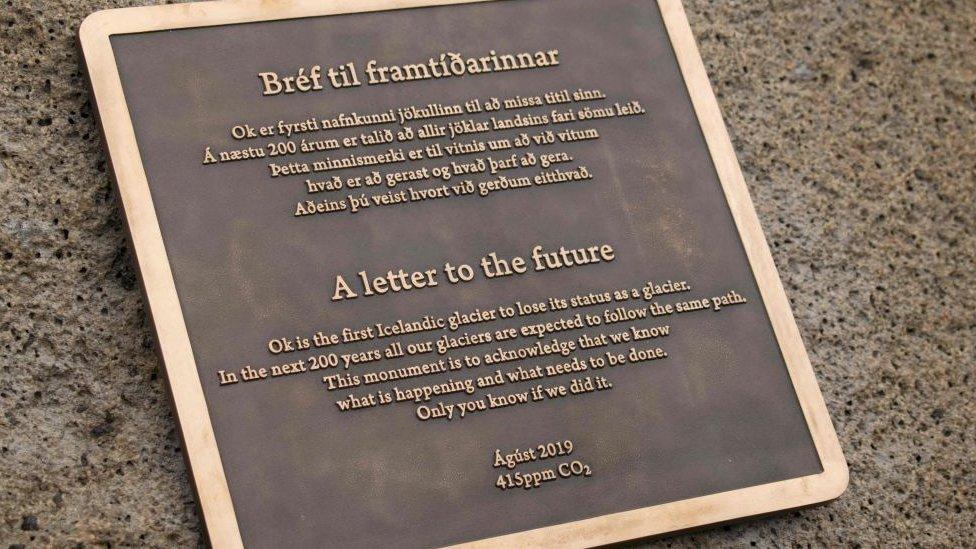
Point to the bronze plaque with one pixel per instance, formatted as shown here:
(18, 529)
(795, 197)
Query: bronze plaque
(430, 273)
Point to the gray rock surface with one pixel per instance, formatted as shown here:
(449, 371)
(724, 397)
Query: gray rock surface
(854, 120)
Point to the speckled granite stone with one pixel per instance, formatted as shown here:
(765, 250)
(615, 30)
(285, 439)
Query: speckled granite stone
(855, 122)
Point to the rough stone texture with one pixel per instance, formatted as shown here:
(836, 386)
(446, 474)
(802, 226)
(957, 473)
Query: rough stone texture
(854, 121)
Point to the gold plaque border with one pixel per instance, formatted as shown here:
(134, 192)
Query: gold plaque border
(189, 405)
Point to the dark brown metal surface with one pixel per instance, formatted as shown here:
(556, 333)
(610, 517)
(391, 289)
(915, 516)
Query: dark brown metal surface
(718, 414)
